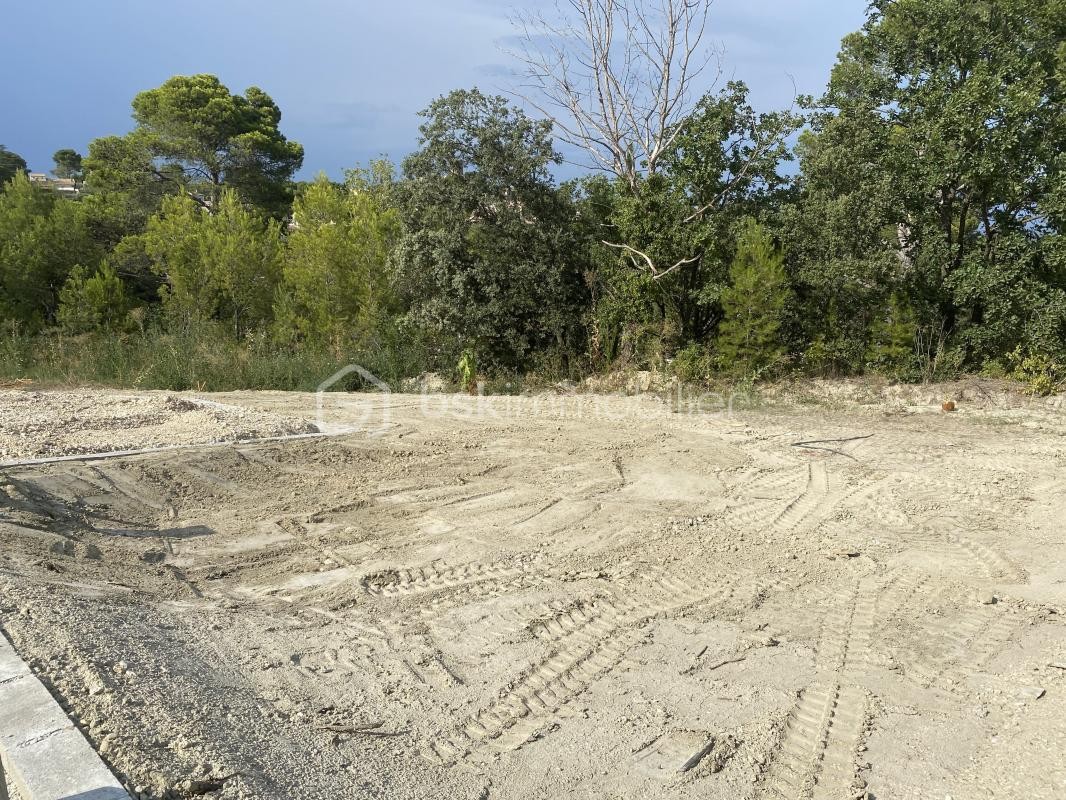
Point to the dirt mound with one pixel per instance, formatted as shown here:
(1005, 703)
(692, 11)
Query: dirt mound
(50, 424)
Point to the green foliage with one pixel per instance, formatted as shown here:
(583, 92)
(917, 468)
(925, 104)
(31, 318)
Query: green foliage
(203, 356)
(925, 233)
(933, 170)
(42, 238)
(335, 283)
(754, 304)
(467, 371)
(693, 364)
(11, 164)
(124, 186)
(892, 348)
(192, 133)
(223, 266)
(722, 166)
(68, 164)
(1042, 373)
(489, 260)
(93, 300)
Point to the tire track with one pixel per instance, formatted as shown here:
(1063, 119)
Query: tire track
(817, 755)
(432, 578)
(481, 591)
(993, 563)
(975, 636)
(561, 620)
(814, 494)
(587, 651)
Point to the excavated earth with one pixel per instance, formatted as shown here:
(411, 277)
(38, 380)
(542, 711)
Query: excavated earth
(559, 597)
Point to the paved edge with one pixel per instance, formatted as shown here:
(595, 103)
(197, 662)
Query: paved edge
(44, 755)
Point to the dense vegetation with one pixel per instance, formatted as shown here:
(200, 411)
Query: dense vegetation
(919, 232)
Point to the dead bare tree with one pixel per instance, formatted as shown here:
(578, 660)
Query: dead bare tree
(616, 77)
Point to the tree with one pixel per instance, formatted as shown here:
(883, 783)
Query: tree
(749, 338)
(617, 77)
(42, 238)
(489, 258)
(92, 301)
(335, 281)
(124, 186)
(726, 155)
(192, 133)
(68, 164)
(940, 147)
(221, 266)
(892, 347)
(11, 164)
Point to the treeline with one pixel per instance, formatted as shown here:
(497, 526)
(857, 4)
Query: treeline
(909, 222)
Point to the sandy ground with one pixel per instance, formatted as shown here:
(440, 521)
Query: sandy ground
(51, 424)
(569, 597)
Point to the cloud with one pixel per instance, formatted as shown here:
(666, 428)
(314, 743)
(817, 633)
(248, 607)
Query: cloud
(497, 70)
(356, 115)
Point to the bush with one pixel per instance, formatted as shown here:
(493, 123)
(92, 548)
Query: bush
(692, 364)
(91, 300)
(1043, 374)
(203, 356)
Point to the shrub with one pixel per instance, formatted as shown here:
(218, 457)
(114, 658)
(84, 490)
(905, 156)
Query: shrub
(753, 306)
(90, 300)
(1043, 374)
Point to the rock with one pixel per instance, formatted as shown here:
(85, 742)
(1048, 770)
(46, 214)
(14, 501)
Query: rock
(844, 553)
(1031, 692)
(986, 598)
(426, 383)
(198, 787)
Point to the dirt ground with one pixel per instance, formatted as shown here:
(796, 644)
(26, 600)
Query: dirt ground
(562, 597)
(50, 424)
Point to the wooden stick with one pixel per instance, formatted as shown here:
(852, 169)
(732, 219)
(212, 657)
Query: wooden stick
(368, 729)
(727, 661)
(829, 441)
(698, 757)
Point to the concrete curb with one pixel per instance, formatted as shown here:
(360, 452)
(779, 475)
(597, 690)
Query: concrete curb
(44, 755)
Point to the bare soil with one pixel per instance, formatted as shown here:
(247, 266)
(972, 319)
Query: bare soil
(561, 597)
(36, 425)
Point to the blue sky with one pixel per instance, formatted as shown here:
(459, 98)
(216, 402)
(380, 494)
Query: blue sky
(349, 75)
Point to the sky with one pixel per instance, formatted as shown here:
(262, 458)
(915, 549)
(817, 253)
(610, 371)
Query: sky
(348, 75)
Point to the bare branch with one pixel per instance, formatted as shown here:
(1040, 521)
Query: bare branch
(617, 77)
(656, 273)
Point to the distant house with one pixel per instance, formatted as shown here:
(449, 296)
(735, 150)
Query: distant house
(64, 185)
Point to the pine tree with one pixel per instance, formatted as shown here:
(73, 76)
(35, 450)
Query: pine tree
(753, 306)
(892, 347)
(91, 300)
